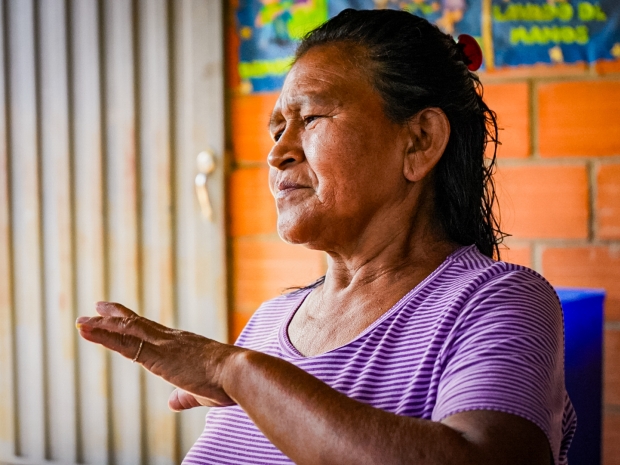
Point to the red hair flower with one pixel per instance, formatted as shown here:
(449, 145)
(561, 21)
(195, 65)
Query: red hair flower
(471, 50)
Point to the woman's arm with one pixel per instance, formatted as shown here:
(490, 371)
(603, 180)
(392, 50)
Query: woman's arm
(305, 418)
(314, 424)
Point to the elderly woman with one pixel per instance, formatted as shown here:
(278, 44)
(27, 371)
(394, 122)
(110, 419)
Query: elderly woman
(416, 347)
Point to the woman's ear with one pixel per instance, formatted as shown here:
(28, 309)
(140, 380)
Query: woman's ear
(429, 132)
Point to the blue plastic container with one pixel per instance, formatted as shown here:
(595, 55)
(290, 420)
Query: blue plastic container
(583, 322)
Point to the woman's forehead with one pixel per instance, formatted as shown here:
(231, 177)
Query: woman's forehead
(308, 96)
(300, 99)
(324, 75)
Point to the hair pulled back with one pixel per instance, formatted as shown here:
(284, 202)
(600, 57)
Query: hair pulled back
(413, 66)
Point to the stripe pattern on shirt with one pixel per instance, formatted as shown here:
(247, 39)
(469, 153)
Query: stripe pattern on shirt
(474, 335)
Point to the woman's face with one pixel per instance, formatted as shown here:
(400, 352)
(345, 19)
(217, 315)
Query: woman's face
(337, 164)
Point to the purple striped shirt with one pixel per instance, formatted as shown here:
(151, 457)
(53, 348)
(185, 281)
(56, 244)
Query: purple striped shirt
(474, 335)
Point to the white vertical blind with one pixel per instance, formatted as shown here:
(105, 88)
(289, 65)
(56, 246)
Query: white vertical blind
(156, 195)
(26, 245)
(104, 106)
(122, 180)
(58, 308)
(85, 90)
(7, 356)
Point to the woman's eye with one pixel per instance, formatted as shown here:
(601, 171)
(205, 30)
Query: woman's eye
(310, 119)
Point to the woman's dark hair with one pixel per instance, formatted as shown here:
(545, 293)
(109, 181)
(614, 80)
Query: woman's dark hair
(415, 66)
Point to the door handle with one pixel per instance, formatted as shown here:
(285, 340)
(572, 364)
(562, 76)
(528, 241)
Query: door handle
(205, 162)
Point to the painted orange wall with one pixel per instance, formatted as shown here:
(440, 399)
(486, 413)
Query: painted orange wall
(558, 183)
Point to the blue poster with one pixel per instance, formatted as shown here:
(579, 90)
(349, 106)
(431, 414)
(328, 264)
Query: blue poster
(560, 31)
(452, 16)
(269, 30)
(511, 32)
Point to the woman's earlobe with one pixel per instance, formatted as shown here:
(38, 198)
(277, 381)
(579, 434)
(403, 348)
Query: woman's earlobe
(409, 169)
(429, 133)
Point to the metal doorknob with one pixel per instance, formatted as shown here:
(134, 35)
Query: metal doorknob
(205, 163)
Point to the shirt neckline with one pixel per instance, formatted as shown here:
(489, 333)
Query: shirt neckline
(290, 350)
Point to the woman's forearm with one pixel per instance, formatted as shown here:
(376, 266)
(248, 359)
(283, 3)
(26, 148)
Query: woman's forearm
(308, 420)
(314, 424)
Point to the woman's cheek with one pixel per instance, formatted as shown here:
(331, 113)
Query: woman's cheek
(319, 150)
(310, 145)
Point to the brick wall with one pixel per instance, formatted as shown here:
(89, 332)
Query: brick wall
(558, 181)
(559, 187)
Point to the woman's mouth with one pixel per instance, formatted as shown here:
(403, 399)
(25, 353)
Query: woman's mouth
(287, 187)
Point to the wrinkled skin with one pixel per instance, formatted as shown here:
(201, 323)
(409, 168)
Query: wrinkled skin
(348, 181)
(182, 358)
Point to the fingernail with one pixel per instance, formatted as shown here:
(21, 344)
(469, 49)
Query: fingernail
(80, 321)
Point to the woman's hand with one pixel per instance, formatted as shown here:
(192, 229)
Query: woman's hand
(194, 364)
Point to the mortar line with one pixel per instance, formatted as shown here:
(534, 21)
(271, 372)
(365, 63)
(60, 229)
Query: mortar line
(592, 169)
(578, 160)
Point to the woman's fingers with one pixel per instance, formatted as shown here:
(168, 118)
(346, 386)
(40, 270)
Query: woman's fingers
(126, 345)
(128, 326)
(112, 309)
(181, 400)
(186, 360)
(118, 318)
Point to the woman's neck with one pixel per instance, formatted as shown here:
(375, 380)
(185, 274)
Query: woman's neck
(389, 250)
(385, 264)
(360, 287)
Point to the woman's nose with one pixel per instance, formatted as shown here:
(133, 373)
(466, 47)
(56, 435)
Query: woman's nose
(286, 152)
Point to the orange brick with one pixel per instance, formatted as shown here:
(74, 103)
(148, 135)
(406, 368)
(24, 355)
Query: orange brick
(608, 66)
(595, 267)
(611, 438)
(252, 207)
(264, 268)
(521, 255)
(612, 367)
(510, 102)
(250, 118)
(579, 118)
(608, 202)
(543, 201)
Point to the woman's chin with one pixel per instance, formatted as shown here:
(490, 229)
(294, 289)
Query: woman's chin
(290, 235)
(297, 232)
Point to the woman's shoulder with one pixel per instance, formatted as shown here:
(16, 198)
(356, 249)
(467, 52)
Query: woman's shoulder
(489, 287)
(475, 281)
(480, 272)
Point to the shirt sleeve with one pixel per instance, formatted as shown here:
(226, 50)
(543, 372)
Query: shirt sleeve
(506, 353)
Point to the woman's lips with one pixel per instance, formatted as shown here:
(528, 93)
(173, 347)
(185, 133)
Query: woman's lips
(287, 187)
